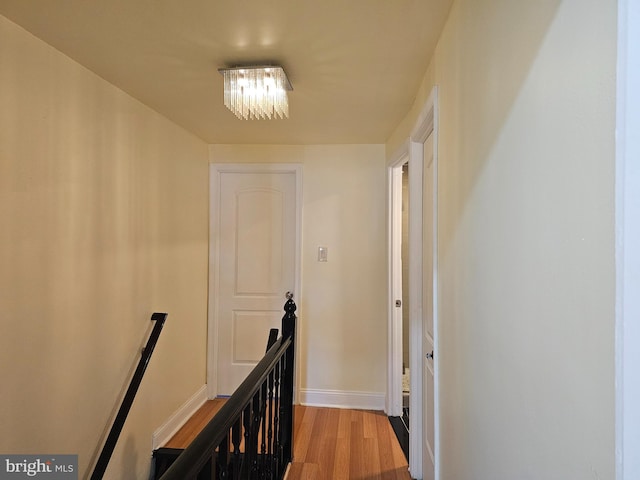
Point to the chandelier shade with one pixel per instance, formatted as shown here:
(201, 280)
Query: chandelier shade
(256, 92)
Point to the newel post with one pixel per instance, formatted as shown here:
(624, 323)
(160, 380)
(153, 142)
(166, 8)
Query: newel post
(288, 331)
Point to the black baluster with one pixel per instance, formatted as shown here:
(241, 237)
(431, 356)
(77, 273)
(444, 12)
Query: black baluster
(263, 428)
(269, 458)
(246, 419)
(236, 438)
(222, 463)
(255, 436)
(276, 422)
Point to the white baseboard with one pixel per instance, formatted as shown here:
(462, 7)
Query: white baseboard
(163, 434)
(342, 399)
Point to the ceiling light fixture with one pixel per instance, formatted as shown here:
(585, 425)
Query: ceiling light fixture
(256, 92)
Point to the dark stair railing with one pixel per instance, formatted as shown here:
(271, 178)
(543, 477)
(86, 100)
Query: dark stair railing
(251, 436)
(127, 401)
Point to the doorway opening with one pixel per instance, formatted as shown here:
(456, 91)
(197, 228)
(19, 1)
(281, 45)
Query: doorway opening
(399, 379)
(404, 247)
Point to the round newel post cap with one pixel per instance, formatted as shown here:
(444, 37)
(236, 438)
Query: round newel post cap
(290, 306)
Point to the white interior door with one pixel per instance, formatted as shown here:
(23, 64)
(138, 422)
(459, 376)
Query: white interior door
(255, 265)
(428, 311)
(423, 195)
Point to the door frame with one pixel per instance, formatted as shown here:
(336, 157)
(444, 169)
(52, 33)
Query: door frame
(215, 171)
(627, 361)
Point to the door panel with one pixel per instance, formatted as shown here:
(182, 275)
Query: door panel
(256, 267)
(247, 347)
(259, 227)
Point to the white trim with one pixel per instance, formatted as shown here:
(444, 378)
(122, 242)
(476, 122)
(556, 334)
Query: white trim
(175, 422)
(435, 296)
(400, 156)
(393, 404)
(342, 399)
(426, 125)
(215, 169)
(627, 359)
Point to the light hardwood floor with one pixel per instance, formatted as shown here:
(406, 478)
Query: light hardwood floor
(329, 443)
(336, 444)
(195, 424)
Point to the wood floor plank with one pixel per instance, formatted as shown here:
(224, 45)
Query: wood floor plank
(303, 438)
(372, 469)
(386, 458)
(310, 471)
(342, 460)
(356, 446)
(327, 459)
(317, 436)
(344, 424)
(298, 415)
(369, 422)
(295, 470)
(195, 424)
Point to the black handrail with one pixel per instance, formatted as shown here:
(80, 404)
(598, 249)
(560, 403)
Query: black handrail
(127, 401)
(262, 404)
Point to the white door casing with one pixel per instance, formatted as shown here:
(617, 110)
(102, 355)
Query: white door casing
(254, 261)
(627, 360)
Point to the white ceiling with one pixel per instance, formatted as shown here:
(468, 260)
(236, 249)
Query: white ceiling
(355, 65)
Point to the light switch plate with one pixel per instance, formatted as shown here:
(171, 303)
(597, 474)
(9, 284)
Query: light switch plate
(322, 254)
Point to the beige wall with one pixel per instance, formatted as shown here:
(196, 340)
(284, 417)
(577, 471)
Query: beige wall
(103, 206)
(526, 238)
(343, 305)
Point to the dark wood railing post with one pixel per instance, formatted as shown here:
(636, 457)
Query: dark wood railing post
(286, 425)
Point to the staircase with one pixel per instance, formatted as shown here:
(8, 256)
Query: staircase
(250, 435)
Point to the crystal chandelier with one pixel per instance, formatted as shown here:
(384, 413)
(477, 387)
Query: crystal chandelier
(256, 92)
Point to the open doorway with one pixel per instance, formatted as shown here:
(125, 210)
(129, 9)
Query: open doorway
(406, 382)
(399, 387)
